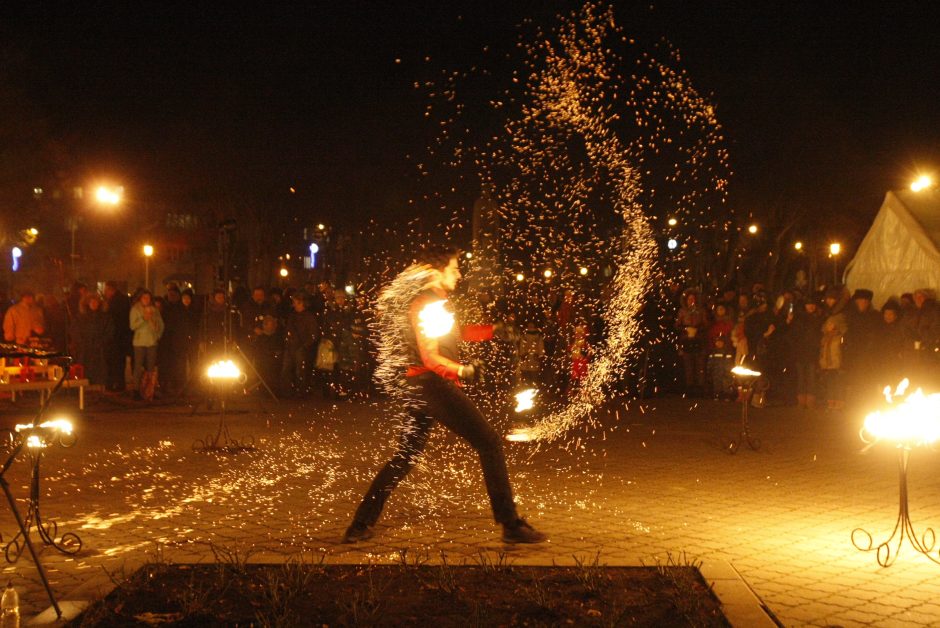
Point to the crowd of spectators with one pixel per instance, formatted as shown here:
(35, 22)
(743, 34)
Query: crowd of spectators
(298, 342)
(811, 349)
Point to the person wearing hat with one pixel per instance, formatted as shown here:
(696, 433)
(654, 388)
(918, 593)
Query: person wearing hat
(863, 326)
(923, 322)
(805, 335)
(893, 342)
(830, 354)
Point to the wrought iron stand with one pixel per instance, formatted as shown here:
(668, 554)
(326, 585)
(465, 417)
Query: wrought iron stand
(223, 442)
(69, 543)
(747, 390)
(903, 528)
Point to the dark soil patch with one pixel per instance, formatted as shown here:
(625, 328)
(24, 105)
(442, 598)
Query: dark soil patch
(407, 595)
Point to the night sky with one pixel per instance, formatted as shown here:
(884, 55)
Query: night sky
(824, 103)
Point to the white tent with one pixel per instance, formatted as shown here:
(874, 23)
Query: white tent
(901, 251)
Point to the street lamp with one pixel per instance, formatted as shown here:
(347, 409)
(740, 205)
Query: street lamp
(834, 249)
(798, 246)
(921, 183)
(548, 273)
(105, 195)
(148, 253)
(752, 229)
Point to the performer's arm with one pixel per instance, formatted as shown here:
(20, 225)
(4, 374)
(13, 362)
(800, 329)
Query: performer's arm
(428, 348)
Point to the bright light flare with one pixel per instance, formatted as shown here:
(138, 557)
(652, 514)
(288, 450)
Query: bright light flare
(548, 273)
(913, 420)
(583, 270)
(34, 442)
(434, 319)
(673, 222)
(835, 248)
(224, 369)
(283, 272)
(525, 400)
(742, 371)
(921, 183)
(108, 196)
(520, 277)
(798, 246)
(148, 250)
(752, 229)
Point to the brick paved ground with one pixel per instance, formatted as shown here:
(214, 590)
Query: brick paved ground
(654, 482)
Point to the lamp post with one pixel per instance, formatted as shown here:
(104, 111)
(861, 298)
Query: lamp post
(105, 197)
(834, 249)
(148, 253)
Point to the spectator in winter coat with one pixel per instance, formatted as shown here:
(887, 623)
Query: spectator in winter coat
(806, 338)
(830, 356)
(863, 326)
(692, 324)
(23, 320)
(93, 329)
(892, 347)
(721, 352)
(147, 325)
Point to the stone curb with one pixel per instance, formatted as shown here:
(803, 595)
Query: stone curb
(741, 606)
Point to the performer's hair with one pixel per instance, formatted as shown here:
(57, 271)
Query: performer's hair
(437, 256)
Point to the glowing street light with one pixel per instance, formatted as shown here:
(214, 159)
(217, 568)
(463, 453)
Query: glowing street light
(672, 222)
(752, 229)
(921, 183)
(798, 245)
(283, 273)
(520, 277)
(468, 255)
(148, 253)
(112, 196)
(548, 273)
(16, 253)
(583, 271)
(834, 249)
(672, 244)
(525, 399)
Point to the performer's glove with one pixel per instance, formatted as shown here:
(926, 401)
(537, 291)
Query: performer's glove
(472, 372)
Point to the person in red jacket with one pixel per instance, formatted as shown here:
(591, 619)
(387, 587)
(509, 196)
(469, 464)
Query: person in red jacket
(433, 378)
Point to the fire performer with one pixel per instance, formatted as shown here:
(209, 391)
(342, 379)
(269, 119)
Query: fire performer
(422, 346)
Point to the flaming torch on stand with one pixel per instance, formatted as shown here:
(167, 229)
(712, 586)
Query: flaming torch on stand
(909, 421)
(746, 378)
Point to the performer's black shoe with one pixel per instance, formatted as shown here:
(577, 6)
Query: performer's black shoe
(358, 532)
(519, 531)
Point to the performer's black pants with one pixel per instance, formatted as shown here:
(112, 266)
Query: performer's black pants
(442, 400)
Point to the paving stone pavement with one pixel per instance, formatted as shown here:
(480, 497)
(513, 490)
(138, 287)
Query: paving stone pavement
(651, 480)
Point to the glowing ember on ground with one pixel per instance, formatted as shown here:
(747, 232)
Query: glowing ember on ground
(435, 320)
(915, 420)
(525, 400)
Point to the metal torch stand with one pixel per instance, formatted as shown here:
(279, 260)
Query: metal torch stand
(223, 442)
(747, 389)
(69, 543)
(24, 526)
(903, 528)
